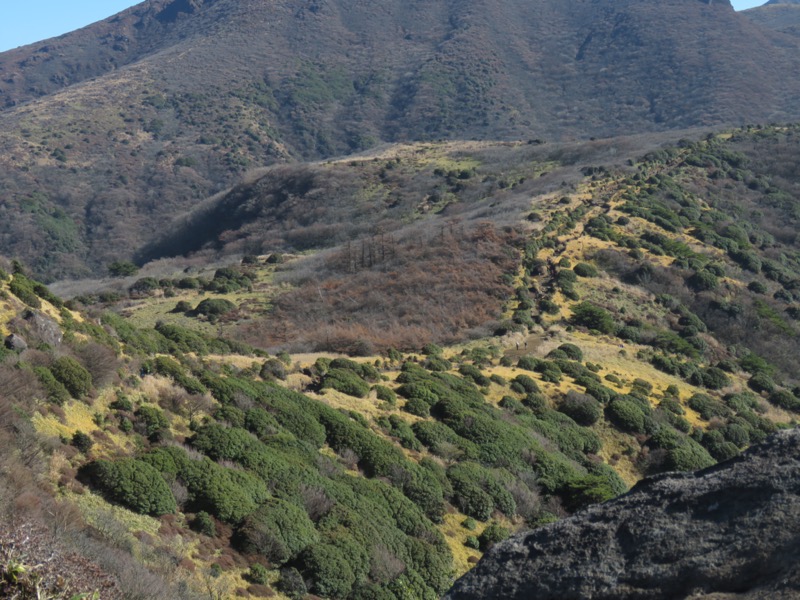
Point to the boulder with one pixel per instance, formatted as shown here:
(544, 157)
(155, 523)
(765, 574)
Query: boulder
(44, 328)
(15, 343)
(730, 531)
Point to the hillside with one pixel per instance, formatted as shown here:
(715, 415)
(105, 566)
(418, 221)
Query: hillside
(132, 121)
(658, 217)
(783, 16)
(162, 417)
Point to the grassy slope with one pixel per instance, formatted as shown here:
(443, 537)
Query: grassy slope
(624, 360)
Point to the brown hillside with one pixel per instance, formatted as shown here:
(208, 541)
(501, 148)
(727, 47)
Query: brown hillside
(781, 16)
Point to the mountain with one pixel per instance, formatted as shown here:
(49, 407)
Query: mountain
(782, 16)
(726, 532)
(129, 122)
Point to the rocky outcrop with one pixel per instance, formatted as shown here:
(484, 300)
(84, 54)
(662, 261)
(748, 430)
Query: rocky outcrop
(731, 531)
(44, 328)
(15, 343)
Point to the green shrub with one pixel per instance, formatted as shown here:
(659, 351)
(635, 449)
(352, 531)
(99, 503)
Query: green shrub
(583, 409)
(167, 367)
(385, 394)
(708, 407)
(144, 287)
(592, 317)
(672, 405)
(56, 392)
(743, 402)
(228, 494)
(153, 422)
(227, 280)
(761, 382)
(258, 574)
(785, 399)
(183, 307)
(536, 402)
(511, 404)
(184, 339)
(273, 369)
(477, 491)
(715, 378)
(498, 379)
(403, 432)
(260, 423)
(528, 363)
(591, 489)
(82, 442)
(328, 571)
(737, 434)
(572, 351)
(549, 371)
(599, 392)
(230, 414)
(717, 446)
(215, 307)
(347, 382)
(752, 363)
(204, 523)
(525, 385)
(585, 270)
(134, 484)
(419, 391)
(472, 542)
(689, 456)
(432, 350)
(278, 530)
(493, 534)
(469, 523)
(363, 370)
(702, 281)
(122, 268)
(291, 583)
(474, 374)
(626, 414)
(22, 288)
(437, 363)
(71, 374)
(417, 407)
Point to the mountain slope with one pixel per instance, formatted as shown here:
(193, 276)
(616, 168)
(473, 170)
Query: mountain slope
(184, 96)
(639, 316)
(726, 532)
(781, 16)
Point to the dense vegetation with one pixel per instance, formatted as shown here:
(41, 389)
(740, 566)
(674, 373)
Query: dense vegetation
(616, 343)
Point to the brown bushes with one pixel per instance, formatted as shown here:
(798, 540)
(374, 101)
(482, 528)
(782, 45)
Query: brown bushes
(435, 287)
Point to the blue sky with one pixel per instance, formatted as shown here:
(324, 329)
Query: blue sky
(27, 21)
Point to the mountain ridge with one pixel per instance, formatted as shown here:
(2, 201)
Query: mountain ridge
(195, 94)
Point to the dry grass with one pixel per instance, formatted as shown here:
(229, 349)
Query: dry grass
(455, 535)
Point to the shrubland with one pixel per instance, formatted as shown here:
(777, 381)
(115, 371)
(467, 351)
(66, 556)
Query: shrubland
(534, 367)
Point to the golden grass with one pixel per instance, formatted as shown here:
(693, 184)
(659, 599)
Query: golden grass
(79, 417)
(97, 511)
(7, 312)
(455, 534)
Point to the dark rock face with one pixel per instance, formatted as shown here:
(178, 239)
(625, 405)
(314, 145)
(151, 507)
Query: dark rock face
(15, 343)
(731, 531)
